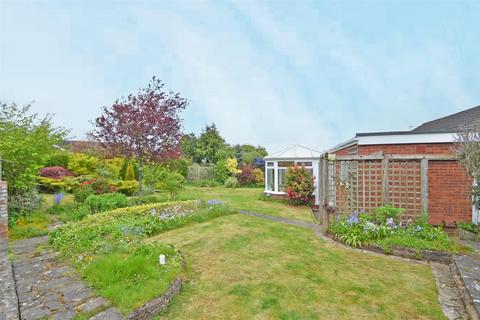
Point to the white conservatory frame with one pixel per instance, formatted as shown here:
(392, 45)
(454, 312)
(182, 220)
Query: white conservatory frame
(299, 155)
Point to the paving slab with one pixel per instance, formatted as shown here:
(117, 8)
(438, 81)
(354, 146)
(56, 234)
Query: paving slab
(48, 288)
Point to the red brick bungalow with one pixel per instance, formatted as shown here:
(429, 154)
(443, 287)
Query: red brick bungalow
(449, 187)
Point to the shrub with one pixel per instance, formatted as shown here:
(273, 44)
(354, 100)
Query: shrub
(246, 176)
(128, 188)
(70, 211)
(171, 182)
(55, 172)
(23, 203)
(126, 163)
(231, 164)
(109, 201)
(55, 185)
(59, 158)
(383, 213)
(81, 164)
(92, 186)
(130, 173)
(468, 226)
(221, 172)
(299, 186)
(231, 182)
(259, 176)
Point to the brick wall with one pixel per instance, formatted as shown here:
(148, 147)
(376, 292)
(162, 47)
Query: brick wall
(421, 148)
(3, 215)
(449, 186)
(449, 192)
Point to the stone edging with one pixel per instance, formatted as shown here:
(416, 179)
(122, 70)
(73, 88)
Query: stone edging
(157, 305)
(424, 255)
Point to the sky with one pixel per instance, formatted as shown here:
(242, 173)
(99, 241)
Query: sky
(270, 73)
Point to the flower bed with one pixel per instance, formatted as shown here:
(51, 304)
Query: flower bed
(108, 249)
(382, 230)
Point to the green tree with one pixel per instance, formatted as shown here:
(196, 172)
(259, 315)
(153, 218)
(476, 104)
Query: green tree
(189, 147)
(130, 174)
(246, 153)
(26, 142)
(209, 143)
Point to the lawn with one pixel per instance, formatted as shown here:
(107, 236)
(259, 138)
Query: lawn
(242, 267)
(248, 199)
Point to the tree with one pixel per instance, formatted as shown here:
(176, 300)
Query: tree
(189, 147)
(146, 125)
(468, 150)
(26, 142)
(209, 142)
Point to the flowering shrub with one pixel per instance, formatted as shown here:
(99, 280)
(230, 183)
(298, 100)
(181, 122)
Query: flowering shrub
(246, 176)
(56, 172)
(231, 165)
(259, 176)
(381, 228)
(299, 186)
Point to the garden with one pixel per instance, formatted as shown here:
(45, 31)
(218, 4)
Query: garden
(121, 209)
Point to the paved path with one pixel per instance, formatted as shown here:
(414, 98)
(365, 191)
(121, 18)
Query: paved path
(50, 289)
(298, 223)
(468, 267)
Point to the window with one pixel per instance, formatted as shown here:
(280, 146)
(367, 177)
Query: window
(286, 164)
(270, 179)
(310, 170)
(269, 164)
(282, 179)
(305, 164)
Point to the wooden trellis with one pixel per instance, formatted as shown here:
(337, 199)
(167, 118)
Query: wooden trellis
(363, 183)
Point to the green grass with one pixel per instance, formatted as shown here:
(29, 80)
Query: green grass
(32, 225)
(406, 241)
(129, 279)
(241, 267)
(247, 199)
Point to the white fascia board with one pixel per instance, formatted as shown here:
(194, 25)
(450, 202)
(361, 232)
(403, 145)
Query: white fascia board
(407, 138)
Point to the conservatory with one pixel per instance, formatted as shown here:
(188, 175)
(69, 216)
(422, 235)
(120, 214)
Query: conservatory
(277, 164)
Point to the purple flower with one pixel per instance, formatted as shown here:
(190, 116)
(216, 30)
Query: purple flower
(353, 218)
(58, 197)
(391, 223)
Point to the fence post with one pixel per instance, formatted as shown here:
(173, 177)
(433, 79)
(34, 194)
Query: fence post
(324, 193)
(424, 185)
(385, 199)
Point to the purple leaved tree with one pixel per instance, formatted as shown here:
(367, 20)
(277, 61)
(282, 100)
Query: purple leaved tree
(146, 125)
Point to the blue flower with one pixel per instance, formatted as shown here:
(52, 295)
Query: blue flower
(58, 197)
(353, 218)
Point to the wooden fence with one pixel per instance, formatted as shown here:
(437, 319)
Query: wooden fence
(362, 183)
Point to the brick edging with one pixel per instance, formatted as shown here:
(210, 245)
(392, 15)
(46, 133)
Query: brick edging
(157, 305)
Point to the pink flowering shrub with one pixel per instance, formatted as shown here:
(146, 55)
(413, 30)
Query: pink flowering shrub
(299, 186)
(55, 172)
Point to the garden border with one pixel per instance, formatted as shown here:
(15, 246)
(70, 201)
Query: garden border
(422, 255)
(155, 306)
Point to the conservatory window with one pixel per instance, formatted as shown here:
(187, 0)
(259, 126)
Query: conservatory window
(271, 179)
(286, 164)
(269, 164)
(281, 179)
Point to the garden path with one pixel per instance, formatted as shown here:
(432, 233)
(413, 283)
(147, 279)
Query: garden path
(48, 288)
(468, 266)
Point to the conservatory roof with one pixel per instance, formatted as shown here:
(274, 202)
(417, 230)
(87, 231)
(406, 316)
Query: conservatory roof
(295, 152)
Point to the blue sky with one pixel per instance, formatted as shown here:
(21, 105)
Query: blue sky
(271, 73)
